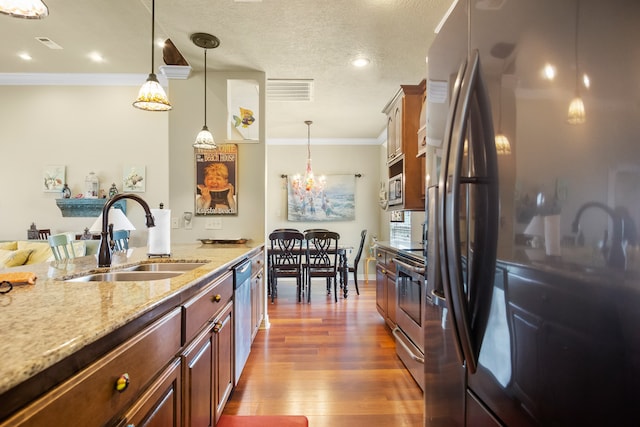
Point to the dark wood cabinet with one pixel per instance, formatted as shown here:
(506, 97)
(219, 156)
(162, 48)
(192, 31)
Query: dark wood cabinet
(403, 122)
(386, 286)
(161, 405)
(208, 358)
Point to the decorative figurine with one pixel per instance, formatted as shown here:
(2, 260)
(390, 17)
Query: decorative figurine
(113, 190)
(66, 192)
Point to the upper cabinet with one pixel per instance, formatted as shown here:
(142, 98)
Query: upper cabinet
(403, 159)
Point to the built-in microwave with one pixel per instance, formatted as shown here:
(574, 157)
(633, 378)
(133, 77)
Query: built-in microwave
(395, 190)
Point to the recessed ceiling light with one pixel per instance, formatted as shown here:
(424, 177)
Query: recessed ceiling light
(360, 62)
(25, 56)
(96, 57)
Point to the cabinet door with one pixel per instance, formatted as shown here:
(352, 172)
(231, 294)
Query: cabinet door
(381, 290)
(161, 404)
(198, 381)
(223, 357)
(394, 131)
(257, 291)
(390, 281)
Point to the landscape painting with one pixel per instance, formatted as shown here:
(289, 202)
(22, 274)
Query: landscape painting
(331, 198)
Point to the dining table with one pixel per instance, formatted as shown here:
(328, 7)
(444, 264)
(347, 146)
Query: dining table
(342, 251)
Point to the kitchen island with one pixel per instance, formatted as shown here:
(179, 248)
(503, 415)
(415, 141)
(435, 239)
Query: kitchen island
(55, 328)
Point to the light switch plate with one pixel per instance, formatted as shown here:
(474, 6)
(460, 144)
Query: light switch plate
(213, 224)
(175, 222)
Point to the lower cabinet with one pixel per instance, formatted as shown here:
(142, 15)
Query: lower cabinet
(161, 404)
(257, 293)
(386, 286)
(208, 371)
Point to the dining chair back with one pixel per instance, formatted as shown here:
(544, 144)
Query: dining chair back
(322, 259)
(61, 246)
(120, 240)
(285, 260)
(44, 233)
(354, 267)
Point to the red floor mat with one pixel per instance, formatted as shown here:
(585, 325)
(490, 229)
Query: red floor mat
(262, 421)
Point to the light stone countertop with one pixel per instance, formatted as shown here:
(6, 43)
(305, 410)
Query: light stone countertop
(44, 323)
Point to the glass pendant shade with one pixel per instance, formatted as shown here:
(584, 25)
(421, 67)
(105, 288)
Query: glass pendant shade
(576, 114)
(204, 139)
(152, 96)
(502, 144)
(29, 9)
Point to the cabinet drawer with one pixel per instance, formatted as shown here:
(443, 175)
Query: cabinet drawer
(256, 263)
(202, 307)
(90, 398)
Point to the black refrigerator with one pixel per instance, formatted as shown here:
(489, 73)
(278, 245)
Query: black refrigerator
(533, 199)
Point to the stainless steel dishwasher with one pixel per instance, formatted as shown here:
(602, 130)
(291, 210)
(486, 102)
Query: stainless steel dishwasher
(242, 314)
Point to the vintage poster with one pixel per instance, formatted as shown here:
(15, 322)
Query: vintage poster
(216, 179)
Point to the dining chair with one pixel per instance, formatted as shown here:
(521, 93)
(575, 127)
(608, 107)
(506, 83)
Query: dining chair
(354, 267)
(285, 260)
(61, 246)
(44, 233)
(322, 260)
(120, 240)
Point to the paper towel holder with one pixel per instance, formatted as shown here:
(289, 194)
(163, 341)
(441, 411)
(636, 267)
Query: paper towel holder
(187, 217)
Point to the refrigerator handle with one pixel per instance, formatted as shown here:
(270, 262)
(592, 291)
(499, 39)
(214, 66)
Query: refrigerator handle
(444, 200)
(470, 305)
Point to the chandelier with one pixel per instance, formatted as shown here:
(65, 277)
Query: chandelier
(309, 182)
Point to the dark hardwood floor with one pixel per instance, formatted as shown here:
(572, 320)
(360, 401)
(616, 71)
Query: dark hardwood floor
(333, 362)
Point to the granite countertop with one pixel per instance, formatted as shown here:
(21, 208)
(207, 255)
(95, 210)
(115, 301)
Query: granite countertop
(411, 249)
(44, 323)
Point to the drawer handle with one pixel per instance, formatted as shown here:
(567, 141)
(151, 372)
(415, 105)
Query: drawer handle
(122, 382)
(217, 327)
(216, 298)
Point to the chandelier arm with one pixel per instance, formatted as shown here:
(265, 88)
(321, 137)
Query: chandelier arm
(205, 87)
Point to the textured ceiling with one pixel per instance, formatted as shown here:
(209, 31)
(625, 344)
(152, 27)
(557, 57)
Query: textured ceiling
(287, 39)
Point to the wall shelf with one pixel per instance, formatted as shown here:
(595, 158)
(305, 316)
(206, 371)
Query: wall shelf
(86, 207)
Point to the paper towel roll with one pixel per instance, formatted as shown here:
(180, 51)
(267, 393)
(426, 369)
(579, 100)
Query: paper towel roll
(159, 242)
(552, 234)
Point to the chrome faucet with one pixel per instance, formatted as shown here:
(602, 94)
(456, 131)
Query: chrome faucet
(616, 257)
(104, 252)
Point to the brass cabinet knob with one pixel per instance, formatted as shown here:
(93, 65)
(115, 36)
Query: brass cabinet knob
(217, 327)
(122, 382)
(216, 298)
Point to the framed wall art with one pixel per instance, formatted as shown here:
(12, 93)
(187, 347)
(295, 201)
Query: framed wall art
(332, 198)
(53, 178)
(216, 180)
(243, 106)
(133, 179)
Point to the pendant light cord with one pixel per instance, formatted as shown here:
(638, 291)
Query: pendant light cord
(153, 28)
(205, 87)
(309, 140)
(576, 46)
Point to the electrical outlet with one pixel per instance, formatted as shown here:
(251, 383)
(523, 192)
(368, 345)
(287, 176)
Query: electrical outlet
(175, 222)
(213, 224)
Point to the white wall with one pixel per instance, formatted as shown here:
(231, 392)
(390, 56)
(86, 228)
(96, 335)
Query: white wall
(86, 129)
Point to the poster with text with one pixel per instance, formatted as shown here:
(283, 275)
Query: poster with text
(216, 179)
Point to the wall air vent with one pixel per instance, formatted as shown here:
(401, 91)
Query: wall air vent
(48, 43)
(289, 90)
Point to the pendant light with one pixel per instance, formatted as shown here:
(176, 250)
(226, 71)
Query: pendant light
(502, 142)
(576, 113)
(151, 96)
(205, 41)
(28, 9)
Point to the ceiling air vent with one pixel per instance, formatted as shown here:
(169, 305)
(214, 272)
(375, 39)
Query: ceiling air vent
(289, 90)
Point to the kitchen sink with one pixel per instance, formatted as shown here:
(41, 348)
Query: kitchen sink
(126, 276)
(166, 266)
